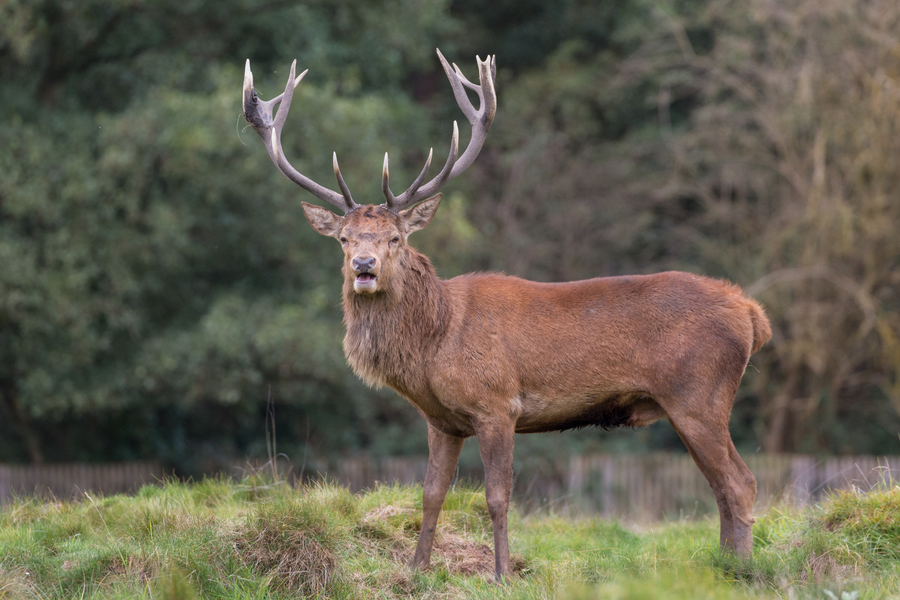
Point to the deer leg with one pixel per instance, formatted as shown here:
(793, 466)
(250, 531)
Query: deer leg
(495, 443)
(709, 442)
(443, 456)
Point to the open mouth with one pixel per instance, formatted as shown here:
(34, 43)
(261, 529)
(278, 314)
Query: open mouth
(365, 278)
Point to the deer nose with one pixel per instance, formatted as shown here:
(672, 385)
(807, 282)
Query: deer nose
(364, 263)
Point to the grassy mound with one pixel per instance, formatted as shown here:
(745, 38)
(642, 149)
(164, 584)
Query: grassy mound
(220, 539)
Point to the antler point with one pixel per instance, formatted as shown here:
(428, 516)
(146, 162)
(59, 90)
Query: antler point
(248, 76)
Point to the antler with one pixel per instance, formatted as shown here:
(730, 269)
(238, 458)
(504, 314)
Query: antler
(480, 120)
(259, 114)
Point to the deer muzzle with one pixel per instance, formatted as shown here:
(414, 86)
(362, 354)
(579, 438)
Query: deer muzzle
(365, 268)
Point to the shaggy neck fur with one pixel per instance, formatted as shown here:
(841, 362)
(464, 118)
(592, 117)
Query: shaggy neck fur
(390, 333)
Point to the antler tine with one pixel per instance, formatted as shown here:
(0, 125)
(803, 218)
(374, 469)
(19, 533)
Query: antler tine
(444, 176)
(341, 184)
(259, 113)
(385, 184)
(480, 119)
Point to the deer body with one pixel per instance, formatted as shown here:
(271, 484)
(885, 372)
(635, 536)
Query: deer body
(553, 356)
(489, 355)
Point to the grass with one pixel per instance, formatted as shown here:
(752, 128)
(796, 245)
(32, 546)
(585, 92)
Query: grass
(264, 540)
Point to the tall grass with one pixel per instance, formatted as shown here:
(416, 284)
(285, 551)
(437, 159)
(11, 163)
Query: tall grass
(256, 539)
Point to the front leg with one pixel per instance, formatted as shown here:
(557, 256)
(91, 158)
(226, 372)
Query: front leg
(443, 456)
(495, 443)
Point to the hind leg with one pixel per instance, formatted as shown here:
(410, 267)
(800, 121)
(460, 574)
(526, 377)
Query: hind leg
(495, 443)
(705, 433)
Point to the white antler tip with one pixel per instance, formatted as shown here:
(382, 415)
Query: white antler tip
(385, 167)
(248, 76)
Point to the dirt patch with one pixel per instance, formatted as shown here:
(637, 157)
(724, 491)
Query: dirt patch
(466, 557)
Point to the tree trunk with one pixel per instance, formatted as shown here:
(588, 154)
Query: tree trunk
(20, 423)
(779, 438)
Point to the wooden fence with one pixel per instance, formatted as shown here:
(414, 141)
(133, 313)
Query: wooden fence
(651, 486)
(648, 486)
(72, 480)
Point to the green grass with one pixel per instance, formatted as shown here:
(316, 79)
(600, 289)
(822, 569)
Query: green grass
(254, 540)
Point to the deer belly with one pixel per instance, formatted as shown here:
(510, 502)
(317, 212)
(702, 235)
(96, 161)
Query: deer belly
(607, 411)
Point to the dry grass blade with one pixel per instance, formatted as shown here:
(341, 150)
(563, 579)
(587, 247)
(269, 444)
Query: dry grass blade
(291, 553)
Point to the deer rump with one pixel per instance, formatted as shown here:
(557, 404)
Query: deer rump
(607, 352)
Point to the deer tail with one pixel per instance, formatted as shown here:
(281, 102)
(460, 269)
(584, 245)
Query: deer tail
(762, 331)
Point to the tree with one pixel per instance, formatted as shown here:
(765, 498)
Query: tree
(160, 285)
(157, 269)
(744, 140)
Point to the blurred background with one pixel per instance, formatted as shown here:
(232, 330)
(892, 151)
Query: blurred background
(161, 292)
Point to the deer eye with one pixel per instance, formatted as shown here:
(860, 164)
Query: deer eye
(343, 240)
(396, 239)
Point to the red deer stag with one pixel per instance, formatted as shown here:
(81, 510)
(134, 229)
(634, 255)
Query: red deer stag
(491, 356)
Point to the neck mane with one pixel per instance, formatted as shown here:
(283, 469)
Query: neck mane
(390, 333)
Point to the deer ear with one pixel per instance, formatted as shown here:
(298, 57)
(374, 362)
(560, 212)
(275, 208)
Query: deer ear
(421, 214)
(322, 220)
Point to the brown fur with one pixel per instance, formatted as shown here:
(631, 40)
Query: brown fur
(491, 355)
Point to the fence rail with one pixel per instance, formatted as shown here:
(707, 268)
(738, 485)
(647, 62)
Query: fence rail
(649, 486)
(72, 480)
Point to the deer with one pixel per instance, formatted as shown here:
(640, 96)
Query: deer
(491, 355)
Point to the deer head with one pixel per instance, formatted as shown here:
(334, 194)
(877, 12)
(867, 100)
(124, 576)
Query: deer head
(373, 239)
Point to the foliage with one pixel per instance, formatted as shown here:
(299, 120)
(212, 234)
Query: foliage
(753, 141)
(156, 269)
(794, 162)
(160, 286)
(261, 539)
(870, 521)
